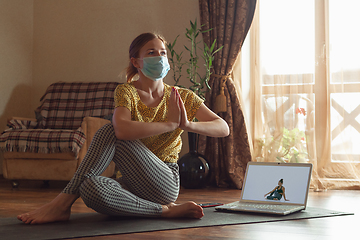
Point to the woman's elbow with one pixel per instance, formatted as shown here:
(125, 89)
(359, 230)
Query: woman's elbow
(122, 135)
(119, 135)
(225, 130)
(122, 132)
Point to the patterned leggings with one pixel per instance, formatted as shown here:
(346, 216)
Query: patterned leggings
(147, 182)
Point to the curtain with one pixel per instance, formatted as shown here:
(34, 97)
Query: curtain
(230, 21)
(306, 89)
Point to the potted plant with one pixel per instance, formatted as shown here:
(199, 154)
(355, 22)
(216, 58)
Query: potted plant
(199, 83)
(194, 168)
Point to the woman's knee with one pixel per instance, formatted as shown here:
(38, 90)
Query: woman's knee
(107, 130)
(92, 191)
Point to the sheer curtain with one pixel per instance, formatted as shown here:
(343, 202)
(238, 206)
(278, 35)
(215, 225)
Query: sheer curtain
(305, 87)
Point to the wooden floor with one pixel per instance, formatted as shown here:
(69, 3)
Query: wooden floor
(30, 195)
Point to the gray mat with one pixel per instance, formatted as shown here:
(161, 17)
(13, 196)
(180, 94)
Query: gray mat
(94, 224)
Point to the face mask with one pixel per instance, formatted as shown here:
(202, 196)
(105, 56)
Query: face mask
(155, 68)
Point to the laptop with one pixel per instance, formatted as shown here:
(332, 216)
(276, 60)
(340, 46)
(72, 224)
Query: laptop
(273, 188)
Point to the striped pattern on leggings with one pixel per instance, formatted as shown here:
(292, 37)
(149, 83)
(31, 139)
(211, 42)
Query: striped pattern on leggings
(147, 182)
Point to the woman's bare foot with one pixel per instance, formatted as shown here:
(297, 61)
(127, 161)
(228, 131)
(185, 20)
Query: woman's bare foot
(58, 209)
(188, 210)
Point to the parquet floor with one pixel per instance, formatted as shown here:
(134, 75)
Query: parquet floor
(30, 196)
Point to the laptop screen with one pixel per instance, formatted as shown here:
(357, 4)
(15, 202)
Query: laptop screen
(275, 183)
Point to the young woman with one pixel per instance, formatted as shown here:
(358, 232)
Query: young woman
(143, 141)
(278, 192)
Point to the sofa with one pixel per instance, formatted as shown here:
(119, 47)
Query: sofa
(52, 145)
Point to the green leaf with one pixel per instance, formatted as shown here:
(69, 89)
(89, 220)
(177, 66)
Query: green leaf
(192, 24)
(175, 40)
(205, 31)
(212, 46)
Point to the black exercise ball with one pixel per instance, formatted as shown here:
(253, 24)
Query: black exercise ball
(194, 170)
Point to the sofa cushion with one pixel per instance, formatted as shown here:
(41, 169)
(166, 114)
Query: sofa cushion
(42, 140)
(64, 105)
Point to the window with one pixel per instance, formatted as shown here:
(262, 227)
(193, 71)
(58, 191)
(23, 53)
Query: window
(344, 68)
(306, 56)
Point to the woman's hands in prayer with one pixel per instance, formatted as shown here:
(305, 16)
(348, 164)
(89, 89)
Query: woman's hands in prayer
(177, 112)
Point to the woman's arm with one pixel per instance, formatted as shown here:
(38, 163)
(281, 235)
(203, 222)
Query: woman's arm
(126, 129)
(270, 192)
(209, 123)
(284, 194)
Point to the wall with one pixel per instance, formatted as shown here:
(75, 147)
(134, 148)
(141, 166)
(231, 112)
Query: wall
(88, 40)
(16, 41)
(42, 42)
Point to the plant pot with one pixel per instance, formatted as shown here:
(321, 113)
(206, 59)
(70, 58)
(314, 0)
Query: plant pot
(193, 167)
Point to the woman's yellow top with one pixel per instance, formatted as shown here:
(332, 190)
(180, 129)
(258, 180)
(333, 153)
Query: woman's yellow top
(165, 146)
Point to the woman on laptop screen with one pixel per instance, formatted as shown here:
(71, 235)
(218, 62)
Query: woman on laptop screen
(278, 192)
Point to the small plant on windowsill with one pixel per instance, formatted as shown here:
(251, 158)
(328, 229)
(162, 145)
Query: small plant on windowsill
(285, 146)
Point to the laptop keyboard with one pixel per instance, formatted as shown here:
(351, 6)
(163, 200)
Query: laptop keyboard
(264, 207)
(275, 207)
